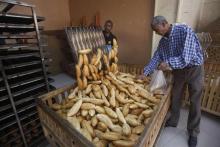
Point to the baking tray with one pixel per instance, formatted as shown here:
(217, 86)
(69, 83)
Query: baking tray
(21, 74)
(9, 131)
(11, 3)
(11, 141)
(28, 81)
(18, 18)
(80, 38)
(9, 122)
(6, 55)
(29, 117)
(21, 70)
(8, 112)
(29, 89)
(26, 77)
(26, 110)
(15, 28)
(5, 104)
(37, 92)
(10, 46)
(19, 65)
(2, 89)
(17, 103)
(18, 36)
(20, 60)
(12, 121)
(4, 7)
(3, 98)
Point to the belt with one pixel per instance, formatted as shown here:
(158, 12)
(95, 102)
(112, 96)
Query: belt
(186, 68)
(190, 66)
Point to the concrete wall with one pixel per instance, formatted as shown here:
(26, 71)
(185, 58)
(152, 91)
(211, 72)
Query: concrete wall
(190, 12)
(210, 13)
(56, 13)
(168, 9)
(131, 24)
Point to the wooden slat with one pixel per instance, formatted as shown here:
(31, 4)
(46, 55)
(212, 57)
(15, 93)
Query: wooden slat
(206, 93)
(213, 88)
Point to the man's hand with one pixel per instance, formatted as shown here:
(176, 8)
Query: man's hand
(164, 66)
(142, 77)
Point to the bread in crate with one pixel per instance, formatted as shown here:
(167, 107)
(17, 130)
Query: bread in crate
(107, 107)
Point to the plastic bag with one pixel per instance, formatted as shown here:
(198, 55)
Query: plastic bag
(158, 82)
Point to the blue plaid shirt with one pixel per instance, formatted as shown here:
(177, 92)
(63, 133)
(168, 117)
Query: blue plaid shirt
(181, 49)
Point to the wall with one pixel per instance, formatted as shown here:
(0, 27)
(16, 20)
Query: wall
(56, 13)
(168, 9)
(190, 12)
(210, 13)
(131, 24)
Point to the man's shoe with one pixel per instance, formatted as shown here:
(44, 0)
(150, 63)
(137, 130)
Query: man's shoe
(192, 142)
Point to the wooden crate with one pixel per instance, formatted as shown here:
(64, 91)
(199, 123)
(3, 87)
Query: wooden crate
(210, 100)
(212, 67)
(60, 132)
(134, 69)
(211, 96)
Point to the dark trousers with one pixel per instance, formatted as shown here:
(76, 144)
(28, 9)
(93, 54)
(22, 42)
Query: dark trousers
(193, 77)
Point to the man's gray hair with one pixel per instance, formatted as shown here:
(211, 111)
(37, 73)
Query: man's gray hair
(158, 20)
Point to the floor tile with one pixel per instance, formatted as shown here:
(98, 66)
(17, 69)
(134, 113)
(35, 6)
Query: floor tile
(167, 135)
(180, 140)
(205, 140)
(61, 80)
(177, 137)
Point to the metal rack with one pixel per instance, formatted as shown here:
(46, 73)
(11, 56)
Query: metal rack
(23, 75)
(80, 38)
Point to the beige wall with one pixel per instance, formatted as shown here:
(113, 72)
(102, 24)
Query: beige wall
(210, 13)
(168, 9)
(56, 13)
(190, 12)
(131, 24)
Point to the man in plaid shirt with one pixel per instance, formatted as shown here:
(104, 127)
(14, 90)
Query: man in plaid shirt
(179, 49)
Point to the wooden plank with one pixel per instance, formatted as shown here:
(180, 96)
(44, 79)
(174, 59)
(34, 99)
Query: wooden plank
(206, 93)
(216, 100)
(212, 92)
(217, 96)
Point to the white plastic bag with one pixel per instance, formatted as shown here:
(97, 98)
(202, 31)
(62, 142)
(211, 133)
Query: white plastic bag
(158, 82)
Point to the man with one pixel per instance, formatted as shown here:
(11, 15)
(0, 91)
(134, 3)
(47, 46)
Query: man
(180, 50)
(108, 34)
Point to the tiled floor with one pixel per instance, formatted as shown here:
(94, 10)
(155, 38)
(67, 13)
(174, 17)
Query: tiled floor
(177, 137)
(62, 80)
(171, 137)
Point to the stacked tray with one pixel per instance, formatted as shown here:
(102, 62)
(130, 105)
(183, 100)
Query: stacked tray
(23, 76)
(81, 38)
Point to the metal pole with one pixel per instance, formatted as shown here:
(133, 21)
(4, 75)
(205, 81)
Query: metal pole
(12, 102)
(40, 48)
